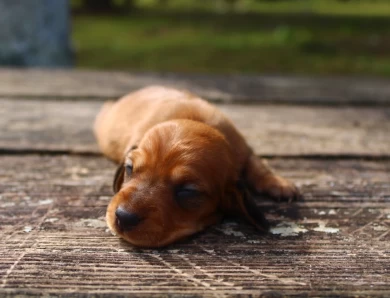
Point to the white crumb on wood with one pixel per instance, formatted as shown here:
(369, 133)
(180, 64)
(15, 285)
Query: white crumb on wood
(8, 204)
(322, 228)
(380, 228)
(287, 229)
(230, 232)
(27, 229)
(91, 223)
(45, 202)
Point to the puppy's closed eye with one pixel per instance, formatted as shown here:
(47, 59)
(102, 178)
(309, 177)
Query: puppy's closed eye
(188, 196)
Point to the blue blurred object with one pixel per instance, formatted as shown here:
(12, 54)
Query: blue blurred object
(35, 33)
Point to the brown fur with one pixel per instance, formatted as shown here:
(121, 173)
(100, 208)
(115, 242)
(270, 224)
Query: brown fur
(174, 138)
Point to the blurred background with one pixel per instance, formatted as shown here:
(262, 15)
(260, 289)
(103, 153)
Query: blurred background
(310, 37)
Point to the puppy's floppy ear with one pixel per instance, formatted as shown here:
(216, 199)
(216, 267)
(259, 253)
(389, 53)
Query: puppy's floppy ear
(120, 173)
(119, 177)
(242, 203)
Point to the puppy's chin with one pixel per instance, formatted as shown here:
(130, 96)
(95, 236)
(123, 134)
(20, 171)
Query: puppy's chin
(153, 239)
(149, 233)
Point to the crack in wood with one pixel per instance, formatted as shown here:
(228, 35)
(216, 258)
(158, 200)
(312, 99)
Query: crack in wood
(33, 232)
(303, 156)
(186, 276)
(360, 229)
(210, 275)
(254, 271)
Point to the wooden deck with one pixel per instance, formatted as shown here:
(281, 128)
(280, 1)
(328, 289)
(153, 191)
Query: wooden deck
(330, 136)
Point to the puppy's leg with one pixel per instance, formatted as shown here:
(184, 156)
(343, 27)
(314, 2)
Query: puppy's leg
(263, 180)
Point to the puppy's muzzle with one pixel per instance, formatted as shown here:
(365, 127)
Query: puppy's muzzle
(126, 220)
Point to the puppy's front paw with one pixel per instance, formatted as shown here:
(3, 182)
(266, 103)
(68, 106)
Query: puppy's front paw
(280, 189)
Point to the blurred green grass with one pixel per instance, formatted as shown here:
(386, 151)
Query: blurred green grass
(284, 37)
(325, 7)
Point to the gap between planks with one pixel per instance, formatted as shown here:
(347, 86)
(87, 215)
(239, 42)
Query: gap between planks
(89, 153)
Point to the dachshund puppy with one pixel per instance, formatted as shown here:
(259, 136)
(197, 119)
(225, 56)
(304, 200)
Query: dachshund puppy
(182, 166)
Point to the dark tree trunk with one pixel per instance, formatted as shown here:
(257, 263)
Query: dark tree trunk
(102, 6)
(98, 5)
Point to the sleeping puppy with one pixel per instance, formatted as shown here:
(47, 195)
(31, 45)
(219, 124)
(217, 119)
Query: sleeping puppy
(182, 166)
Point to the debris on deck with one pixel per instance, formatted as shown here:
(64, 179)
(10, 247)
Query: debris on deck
(54, 189)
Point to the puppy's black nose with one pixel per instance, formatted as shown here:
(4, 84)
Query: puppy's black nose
(126, 220)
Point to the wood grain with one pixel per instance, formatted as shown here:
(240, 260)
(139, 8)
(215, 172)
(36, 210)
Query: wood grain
(335, 243)
(275, 89)
(272, 130)
(54, 240)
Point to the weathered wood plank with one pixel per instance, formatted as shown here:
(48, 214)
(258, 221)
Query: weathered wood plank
(54, 239)
(62, 83)
(270, 129)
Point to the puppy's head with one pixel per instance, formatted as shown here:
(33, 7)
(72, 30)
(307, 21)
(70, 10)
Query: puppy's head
(175, 183)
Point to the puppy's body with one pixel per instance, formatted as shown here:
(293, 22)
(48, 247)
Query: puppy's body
(121, 125)
(182, 161)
